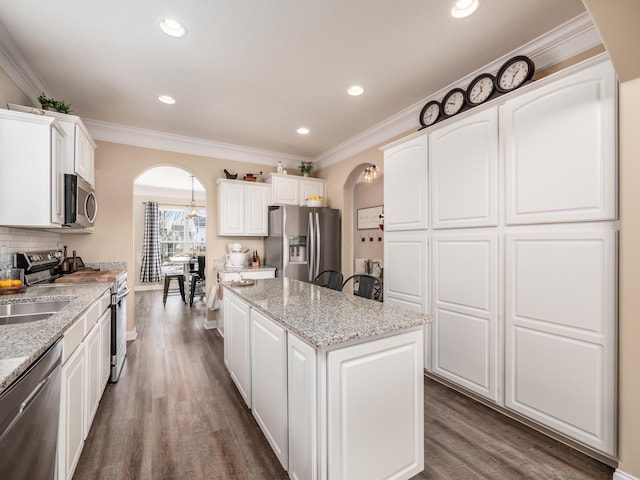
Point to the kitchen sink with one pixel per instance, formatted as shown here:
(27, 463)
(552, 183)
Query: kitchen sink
(31, 317)
(29, 312)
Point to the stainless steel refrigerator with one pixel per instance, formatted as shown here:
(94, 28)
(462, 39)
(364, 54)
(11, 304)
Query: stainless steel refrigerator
(303, 241)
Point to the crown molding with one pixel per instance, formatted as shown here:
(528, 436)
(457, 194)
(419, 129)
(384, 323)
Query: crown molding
(563, 42)
(571, 38)
(140, 137)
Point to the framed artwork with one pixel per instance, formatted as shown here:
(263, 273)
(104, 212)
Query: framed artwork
(369, 218)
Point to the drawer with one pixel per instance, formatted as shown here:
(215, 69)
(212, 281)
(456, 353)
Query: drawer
(105, 301)
(73, 337)
(258, 275)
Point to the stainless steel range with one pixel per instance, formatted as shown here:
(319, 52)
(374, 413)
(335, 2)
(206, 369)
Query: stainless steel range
(44, 267)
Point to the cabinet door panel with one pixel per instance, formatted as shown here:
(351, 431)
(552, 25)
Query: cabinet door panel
(257, 214)
(240, 360)
(465, 295)
(284, 191)
(303, 410)
(463, 163)
(560, 147)
(72, 408)
(105, 348)
(231, 203)
(560, 348)
(269, 382)
(406, 263)
(92, 380)
(310, 188)
(381, 379)
(405, 186)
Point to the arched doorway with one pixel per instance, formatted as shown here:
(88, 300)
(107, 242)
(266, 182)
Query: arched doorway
(182, 233)
(366, 243)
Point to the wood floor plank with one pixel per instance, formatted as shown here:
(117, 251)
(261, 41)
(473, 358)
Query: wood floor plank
(175, 414)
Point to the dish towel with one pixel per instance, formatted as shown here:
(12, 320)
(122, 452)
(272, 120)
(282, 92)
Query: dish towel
(214, 297)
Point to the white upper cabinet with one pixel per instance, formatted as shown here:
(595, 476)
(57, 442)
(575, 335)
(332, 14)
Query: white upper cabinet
(560, 150)
(31, 149)
(79, 147)
(310, 187)
(242, 208)
(294, 190)
(463, 162)
(405, 185)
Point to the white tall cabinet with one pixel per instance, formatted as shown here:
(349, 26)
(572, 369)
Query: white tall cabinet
(519, 250)
(237, 347)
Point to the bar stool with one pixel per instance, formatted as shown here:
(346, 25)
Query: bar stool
(167, 281)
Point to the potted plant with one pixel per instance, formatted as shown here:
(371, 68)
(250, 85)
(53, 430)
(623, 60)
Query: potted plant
(53, 105)
(306, 168)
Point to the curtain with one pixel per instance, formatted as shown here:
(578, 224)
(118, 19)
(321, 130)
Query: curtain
(151, 270)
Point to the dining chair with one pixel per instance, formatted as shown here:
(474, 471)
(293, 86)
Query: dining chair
(329, 278)
(197, 279)
(365, 286)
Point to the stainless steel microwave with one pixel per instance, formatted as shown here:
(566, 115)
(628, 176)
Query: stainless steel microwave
(80, 203)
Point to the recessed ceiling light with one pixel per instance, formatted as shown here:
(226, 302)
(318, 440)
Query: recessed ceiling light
(172, 28)
(464, 8)
(355, 90)
(167, 99)
(303, 130)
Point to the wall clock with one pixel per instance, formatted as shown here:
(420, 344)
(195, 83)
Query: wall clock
(430, 113)
(514, 73)
(480, 89)
(453, 102)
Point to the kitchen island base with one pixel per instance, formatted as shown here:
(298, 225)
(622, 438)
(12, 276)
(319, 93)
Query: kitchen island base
(345, 410)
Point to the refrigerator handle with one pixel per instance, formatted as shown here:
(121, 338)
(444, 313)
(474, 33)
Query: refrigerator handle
(318, 247)
(311, 249)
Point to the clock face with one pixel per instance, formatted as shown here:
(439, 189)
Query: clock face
(480, 89)
(452, 103)
(514, 73)
(430, 113)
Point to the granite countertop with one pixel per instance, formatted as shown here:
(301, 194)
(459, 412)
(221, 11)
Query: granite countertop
(323, 317)
(22, 344)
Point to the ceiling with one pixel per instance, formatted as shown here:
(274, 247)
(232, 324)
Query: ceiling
(250, 72)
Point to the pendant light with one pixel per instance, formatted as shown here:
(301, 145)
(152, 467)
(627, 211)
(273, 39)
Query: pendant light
(193, 213)
(370, 174)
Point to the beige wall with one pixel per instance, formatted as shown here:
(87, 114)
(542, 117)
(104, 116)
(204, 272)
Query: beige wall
(117, 167)
(10, 93)
(629, 304)
(367, 195)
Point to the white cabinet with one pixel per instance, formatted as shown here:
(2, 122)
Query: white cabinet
(561, 332)
(405, 273)
(294, 190)
(242, 208)
(285, 189)
(72, 405)
(30, 161)
(269, 382)
(560, 150)
(93, 373)
(303, 409)
(78, 151)
(237, 343)
(310, 187)
(405, 185)
(86, 359)
(463, 172)
(465, 300)
(382, 380)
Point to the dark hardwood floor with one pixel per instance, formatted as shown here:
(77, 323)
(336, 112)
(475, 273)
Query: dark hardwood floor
(175, 414)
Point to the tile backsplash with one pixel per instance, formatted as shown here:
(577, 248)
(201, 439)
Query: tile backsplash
(14, 240)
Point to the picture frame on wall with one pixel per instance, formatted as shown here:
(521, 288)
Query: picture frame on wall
(369, 218)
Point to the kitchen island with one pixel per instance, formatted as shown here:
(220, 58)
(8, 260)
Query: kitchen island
(335, 381)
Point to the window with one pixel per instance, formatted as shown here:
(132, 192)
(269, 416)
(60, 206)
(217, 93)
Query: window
(180, 235)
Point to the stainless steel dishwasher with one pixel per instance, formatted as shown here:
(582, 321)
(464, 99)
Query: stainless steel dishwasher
(29, 412)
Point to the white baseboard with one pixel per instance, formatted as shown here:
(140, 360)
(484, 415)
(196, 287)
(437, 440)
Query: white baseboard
(620, 475)
(132, 334)
(210, 324)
